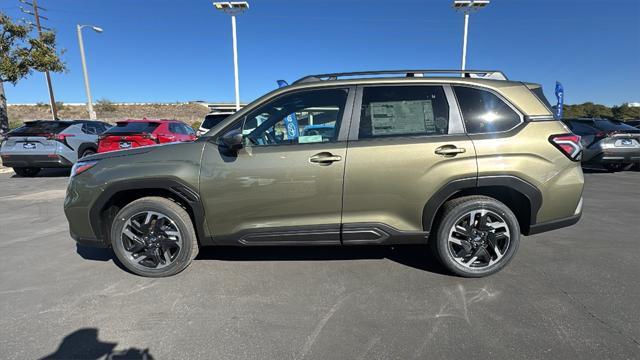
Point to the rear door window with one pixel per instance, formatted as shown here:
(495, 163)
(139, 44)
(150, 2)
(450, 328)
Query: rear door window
(133, 128)
(389, 111)
(484, 112)
(91, 128)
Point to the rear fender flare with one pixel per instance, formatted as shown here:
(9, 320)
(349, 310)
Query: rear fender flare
(452, 188)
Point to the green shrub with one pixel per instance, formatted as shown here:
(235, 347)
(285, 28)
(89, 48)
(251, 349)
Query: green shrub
(105, 105)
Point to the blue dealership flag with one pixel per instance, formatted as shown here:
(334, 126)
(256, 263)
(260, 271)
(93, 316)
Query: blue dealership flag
(291, 122)
(560, 97)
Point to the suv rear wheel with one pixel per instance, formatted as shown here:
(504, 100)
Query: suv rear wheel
(26, 171)
(154, 237)
(477, 236)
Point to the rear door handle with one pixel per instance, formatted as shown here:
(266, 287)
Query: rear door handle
(325, 158)
(449, 150)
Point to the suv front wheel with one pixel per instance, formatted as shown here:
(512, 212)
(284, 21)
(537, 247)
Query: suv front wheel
(154, 237)
(477, 236)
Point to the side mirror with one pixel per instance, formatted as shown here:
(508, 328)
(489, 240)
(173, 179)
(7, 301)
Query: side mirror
(232, 139)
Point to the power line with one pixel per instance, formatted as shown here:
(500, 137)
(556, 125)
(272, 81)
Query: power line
(37, 17)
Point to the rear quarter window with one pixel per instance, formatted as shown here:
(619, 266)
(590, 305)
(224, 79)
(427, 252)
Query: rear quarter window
(484, 112)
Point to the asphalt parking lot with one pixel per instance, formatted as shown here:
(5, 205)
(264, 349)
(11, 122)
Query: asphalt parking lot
(572, 293)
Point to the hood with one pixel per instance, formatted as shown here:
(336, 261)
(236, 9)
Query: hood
(128, 152)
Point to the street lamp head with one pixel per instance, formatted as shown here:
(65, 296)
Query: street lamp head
(470, 5)
(97, 29)
(232, 7)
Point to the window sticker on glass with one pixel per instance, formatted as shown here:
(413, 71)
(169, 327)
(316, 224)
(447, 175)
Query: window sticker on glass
(402, 117)
(309, 139)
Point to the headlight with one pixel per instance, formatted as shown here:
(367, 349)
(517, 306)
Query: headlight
(82, 166)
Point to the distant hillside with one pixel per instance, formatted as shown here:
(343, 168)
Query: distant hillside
(191, 114)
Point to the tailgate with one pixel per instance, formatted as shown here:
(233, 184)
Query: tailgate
(29, 145)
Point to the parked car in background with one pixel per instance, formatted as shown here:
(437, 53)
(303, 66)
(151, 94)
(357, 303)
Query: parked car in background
(634, 123)
(211, 120)
(50, 144)
(609, 143)
(131, 133)
(465, 164)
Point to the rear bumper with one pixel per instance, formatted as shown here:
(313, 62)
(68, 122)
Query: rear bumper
(41, 161)
(614, 156)
(554, 224)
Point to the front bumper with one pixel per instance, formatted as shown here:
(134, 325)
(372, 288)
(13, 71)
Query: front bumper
(41, 161)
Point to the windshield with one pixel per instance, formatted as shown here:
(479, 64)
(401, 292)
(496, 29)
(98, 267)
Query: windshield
(41, 127)
(213, 120)
(612, 125)
(132, 128)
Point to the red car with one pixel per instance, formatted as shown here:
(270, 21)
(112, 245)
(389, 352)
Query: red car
(129, 134)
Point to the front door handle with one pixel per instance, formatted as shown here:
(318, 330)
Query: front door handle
(449, 150)
(325, 158)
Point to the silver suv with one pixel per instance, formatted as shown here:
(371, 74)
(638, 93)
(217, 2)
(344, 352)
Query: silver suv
(49, 144)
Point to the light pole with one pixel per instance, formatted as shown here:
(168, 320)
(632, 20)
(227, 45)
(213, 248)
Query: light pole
(467, 6)
(233, 8)
(92, 114)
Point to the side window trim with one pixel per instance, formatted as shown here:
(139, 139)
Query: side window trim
(454, 113)
(456, 124)
(499, 96)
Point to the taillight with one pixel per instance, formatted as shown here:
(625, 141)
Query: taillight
(150, 136)
(568, 144)
(82, 166)
(60, 137)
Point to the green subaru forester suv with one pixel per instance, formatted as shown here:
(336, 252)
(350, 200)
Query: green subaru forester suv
(465, 161)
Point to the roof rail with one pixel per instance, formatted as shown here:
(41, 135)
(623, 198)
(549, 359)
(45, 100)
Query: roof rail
(487, 74)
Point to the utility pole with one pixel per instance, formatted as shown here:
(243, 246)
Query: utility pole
(39, 27)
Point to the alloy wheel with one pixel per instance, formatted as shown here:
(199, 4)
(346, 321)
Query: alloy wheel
(479, 239)
(151, 240)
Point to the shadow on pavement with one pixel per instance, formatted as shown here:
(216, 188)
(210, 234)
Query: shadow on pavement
(94, 253)
(84, 344)
(47, 173)
(415, 256)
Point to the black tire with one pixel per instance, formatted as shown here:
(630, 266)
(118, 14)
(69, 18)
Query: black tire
(88, 152)
(175, 213)
(457, 209)
(26, 171)
(614, 167)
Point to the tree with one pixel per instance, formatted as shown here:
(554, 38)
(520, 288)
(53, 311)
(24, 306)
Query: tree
(20, 55)
(625, 112)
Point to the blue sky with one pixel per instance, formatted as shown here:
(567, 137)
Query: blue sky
(166, 51)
